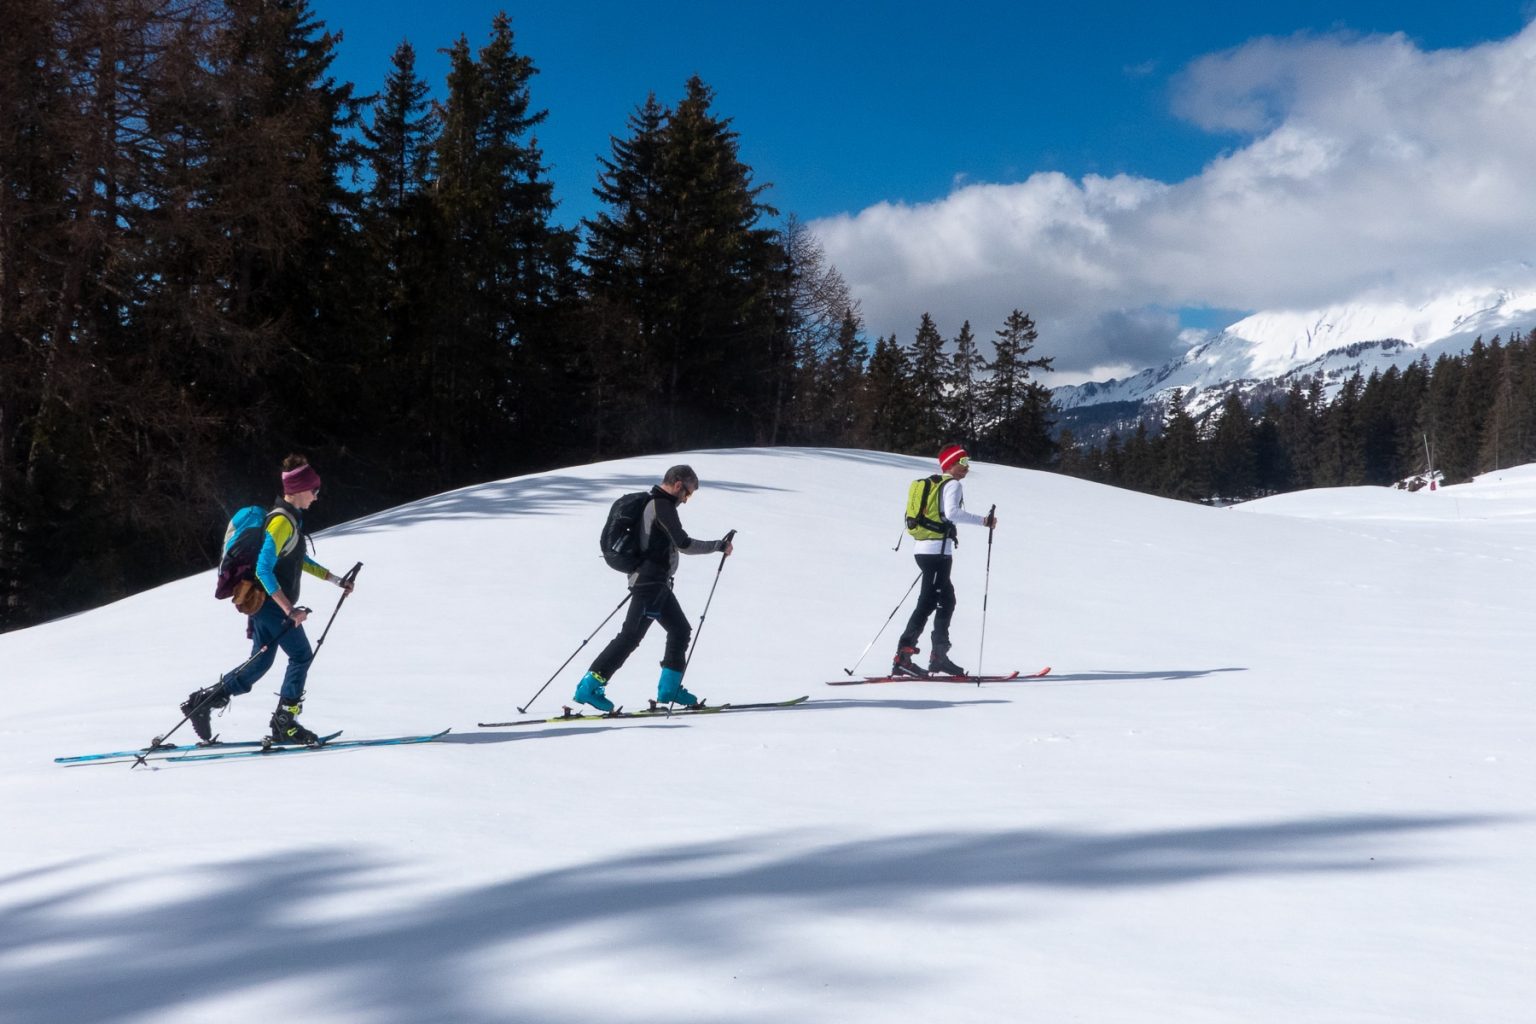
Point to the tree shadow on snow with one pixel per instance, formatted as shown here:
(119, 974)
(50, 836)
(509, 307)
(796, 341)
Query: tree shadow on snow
(276, 921)
(521, 497)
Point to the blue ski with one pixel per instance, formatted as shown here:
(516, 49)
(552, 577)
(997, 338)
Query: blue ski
(343, 744)
(169, 748)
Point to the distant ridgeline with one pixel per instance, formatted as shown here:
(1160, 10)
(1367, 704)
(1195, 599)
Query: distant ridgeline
(1093, 418)
(1370, 412)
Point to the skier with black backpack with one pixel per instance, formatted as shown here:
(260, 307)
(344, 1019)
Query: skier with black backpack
(934, 505)
(642, 538)
(265, 557)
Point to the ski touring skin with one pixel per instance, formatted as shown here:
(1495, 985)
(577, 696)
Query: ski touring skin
(277, 750)
(165, 750)
(654, 711)
(940, 679)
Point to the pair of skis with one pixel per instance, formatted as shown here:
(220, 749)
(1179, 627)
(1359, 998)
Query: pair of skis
(654, 711)
(218, 750)
(245, 748)
(862, 680)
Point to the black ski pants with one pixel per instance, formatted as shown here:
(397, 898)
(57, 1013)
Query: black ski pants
(937, 595)
(651, 602)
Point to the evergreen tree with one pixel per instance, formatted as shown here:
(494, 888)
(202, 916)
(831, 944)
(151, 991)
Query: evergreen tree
(1111, 462)
(680, 257)
(1184, 473)
(1341, 461)
(1142, 462)
(507, 265)
(1469, 408)
(1017, 411)
(963, 389)
(1439, 421)
(401, 138)
(1233, 459)
(1523, 423)
(404, 235)
(845, 383)
(1271, 471)
(623, 258)
(1298, 430)
(929, 373)
(888, 399)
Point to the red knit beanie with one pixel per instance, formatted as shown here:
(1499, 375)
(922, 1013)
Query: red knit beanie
(951, 455)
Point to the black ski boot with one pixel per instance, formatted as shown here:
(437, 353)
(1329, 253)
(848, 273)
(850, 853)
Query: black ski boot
(199, 707)
(286, 727)
(940, 665)
(905, 666)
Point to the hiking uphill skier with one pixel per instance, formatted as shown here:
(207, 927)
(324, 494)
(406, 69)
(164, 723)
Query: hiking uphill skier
(280, 562)
(935, 504)
(655, 537)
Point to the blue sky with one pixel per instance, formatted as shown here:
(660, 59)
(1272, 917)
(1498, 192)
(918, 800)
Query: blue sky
(919, 118)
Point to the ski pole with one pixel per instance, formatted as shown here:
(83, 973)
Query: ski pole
(986, 588)
(159, 741)
(887, 622)
(346, 592)
(524, 710)
(705, 613)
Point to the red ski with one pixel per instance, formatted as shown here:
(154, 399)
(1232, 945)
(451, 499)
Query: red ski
(939, 679)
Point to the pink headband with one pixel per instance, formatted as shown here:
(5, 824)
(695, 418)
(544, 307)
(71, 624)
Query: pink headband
(300, 479)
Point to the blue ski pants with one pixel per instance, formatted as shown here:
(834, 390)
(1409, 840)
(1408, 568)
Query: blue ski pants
(266, 625)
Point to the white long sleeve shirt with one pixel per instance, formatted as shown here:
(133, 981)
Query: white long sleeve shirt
(952, 501)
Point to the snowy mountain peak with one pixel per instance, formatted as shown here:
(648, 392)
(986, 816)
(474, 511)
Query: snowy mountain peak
(1336, 341)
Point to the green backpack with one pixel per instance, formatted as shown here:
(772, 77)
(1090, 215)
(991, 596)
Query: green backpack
(925, 509)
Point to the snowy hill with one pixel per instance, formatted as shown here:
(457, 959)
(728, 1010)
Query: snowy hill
(1282, 771)
(1273, 348)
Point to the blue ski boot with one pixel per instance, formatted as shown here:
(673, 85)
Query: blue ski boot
(590, 691)
(669, 690)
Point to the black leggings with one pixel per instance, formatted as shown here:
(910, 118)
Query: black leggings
(651, 602)
(938, 593)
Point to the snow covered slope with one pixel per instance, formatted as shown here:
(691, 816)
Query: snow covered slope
(1282, 771)
(1276, 346)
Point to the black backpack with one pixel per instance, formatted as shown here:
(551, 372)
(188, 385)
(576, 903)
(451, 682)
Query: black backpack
(621, 533)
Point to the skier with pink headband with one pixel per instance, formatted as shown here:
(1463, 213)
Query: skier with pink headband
(280, 566)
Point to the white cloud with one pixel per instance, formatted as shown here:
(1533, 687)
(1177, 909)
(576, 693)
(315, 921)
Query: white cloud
(1363, 164)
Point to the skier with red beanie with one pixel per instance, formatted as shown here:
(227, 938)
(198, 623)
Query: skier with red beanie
(936, 504)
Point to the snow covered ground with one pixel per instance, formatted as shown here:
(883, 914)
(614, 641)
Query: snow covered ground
(1282, 771)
